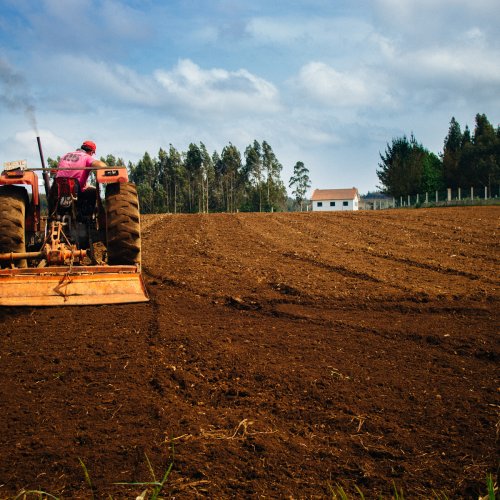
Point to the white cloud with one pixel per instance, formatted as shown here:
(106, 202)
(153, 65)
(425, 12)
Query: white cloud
(468, 65)
(336, 89)
(218, 90)
(446, 76)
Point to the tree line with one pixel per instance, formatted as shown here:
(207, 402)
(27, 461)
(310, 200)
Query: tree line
(196, 181)
(468, 160)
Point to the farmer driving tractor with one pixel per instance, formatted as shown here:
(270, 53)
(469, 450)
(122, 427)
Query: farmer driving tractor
(78, 164)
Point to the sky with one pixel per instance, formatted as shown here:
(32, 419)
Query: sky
(327, 82)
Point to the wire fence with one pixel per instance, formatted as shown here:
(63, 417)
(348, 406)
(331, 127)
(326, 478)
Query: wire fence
(449, 197)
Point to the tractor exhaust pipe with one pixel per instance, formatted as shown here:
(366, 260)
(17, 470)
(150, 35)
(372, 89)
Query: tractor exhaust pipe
(46, 176)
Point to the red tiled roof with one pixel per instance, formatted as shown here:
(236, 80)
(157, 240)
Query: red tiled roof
(334, 194)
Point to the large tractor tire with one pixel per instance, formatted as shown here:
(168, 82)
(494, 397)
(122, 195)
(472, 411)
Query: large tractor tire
(13, 201)
(123, 231)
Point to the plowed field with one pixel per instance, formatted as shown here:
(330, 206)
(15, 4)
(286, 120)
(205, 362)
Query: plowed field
(280, 355)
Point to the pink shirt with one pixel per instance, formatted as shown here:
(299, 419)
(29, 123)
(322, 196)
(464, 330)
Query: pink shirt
(76, 159)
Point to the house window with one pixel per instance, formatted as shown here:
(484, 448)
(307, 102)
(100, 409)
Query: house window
(320, 203)
(345, 203)
(332, 203)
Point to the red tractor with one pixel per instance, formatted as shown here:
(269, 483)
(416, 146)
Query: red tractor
(85, 251)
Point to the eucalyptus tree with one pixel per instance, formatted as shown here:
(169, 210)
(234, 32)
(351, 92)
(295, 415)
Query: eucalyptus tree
(231, 160)
(144, 171)
(163, 177)
(219, 182)
(176, 179)
(207, 176)
(300, 182)
(193, 162)
(253, 171)
(276, 191)
(144, 176)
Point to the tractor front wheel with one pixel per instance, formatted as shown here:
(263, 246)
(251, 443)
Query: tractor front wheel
(123, 231)
(13, 201)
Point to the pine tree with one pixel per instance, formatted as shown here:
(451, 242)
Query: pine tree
(407, 168)
(485, 166)
(452, 151)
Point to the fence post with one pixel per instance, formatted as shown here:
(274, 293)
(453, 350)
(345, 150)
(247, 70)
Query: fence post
(418, 199)
(449, 194)
(426, 197)
(485, 192)
(437, 196)
(401, 201)
(459, 194)
(472, 193)
(409, 201)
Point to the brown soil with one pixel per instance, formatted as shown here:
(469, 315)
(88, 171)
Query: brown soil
(280, 355)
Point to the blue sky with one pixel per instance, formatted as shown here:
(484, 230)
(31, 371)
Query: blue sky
(329, 83)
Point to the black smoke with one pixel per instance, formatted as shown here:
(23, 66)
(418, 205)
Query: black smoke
(15, 95)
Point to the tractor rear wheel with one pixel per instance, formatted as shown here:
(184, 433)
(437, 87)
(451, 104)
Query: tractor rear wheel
(123, 231)
(13, 201)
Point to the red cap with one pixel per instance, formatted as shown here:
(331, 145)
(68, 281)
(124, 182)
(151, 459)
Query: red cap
(89, 145)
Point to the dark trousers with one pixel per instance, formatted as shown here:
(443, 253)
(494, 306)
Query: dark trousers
(85, 203)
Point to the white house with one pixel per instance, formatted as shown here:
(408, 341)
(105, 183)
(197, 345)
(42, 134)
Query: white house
(335, 199)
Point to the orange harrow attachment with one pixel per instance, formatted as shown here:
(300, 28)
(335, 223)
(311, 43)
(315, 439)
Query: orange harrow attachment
(80, 285)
